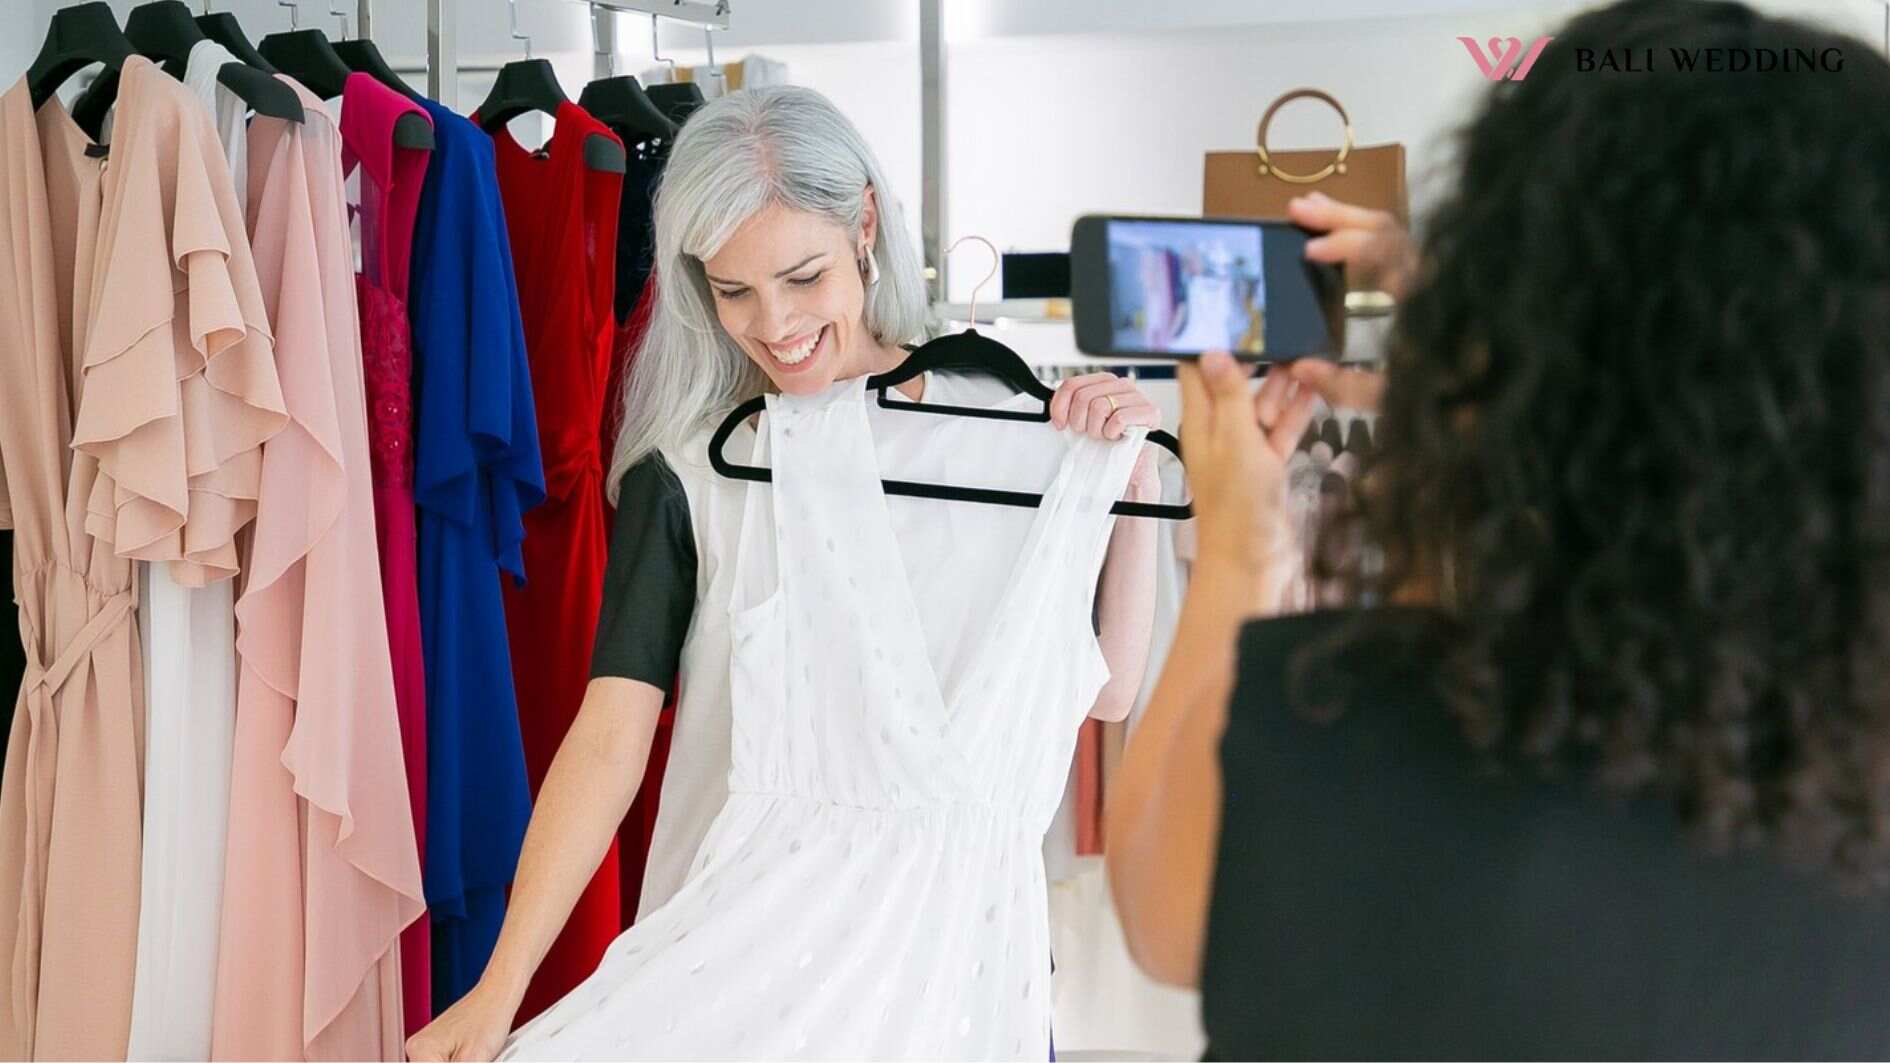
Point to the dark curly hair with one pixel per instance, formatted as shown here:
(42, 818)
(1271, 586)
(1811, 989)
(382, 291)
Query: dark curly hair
(1636, 437)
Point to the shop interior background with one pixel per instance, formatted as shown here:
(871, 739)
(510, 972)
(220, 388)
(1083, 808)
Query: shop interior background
(1054, 109)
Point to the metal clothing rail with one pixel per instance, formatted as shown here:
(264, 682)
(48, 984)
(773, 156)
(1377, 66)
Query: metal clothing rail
(443, 65)
(709, 14)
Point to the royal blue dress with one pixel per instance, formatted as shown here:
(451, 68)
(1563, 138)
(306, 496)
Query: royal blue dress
(476, 471)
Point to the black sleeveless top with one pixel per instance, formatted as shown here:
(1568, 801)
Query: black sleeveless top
(1382, 894)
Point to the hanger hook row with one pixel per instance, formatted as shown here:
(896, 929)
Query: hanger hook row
(995, 260)
(512, 9)
(598, 14)
(656, 49)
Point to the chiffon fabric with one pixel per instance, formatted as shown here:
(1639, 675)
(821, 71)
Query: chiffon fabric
(874, 886)
(70, 826)
(324, 872)
(189, 635)
(174, 392)
(562, 221)
(138, 332)
(385, 181)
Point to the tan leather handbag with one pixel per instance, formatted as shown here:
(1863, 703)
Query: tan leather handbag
(1258, 183)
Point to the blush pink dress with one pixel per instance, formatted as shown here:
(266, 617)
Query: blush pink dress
(323, 872)
(390, 178)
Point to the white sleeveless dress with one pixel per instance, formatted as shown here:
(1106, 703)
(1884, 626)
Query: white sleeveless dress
(874, 886)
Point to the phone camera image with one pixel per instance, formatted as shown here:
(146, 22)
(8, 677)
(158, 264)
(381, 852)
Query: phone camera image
(1187, 288)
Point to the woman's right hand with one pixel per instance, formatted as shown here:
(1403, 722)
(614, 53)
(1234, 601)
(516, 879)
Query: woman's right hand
(473, 1030)
(1368, 242)
(1372, 243)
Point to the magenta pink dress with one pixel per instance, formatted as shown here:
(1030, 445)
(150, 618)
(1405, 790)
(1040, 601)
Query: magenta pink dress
(390, 179)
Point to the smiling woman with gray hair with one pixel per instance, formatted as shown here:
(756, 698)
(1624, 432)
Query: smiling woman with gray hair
(847, 861)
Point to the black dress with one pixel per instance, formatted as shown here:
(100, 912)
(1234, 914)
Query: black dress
(1382, 893)
(12, 652)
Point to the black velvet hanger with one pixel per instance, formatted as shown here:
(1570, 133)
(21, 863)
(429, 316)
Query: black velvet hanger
(963, 352)
(165, 32)
(526, 85)
(306, 56)
(620, 103)
(165, 29)
(222, 27)
(678, 101)
(78, 37)
(364, 57)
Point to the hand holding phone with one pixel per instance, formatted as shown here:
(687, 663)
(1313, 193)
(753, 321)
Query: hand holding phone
(1174, 288)
(1370, 243)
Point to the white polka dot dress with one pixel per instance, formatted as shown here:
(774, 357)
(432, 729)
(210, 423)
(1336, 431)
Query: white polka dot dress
(874, 887)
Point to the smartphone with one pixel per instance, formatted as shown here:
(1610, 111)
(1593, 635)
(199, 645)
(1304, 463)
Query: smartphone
(1173, 288)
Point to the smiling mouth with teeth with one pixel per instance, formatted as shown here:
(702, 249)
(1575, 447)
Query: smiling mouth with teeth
(799, 353)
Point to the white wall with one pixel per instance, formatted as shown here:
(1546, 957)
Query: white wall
(1045, 126)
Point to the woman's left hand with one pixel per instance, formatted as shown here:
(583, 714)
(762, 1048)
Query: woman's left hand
(1102, 405)
(1235, 443)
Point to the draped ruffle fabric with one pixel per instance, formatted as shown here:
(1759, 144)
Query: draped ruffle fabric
(318, 732)
(180, 385)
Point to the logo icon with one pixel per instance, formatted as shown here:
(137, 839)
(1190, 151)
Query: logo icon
(1505, 58)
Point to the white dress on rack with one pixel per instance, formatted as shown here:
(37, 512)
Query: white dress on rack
(189, 638)
(874, 885)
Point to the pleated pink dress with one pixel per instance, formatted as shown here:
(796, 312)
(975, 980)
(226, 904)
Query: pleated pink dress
(323, 872)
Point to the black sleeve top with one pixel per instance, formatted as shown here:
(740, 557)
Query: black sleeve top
(1384, 892)
(650, 581)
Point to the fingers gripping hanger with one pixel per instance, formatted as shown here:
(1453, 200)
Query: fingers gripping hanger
(965, 350)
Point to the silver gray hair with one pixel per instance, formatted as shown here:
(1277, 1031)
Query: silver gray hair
(776, 145)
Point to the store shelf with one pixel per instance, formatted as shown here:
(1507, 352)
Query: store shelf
(1053, 342)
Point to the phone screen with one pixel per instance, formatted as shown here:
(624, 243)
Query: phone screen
(1174, 288)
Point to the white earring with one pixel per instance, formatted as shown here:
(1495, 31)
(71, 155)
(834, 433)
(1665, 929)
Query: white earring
(871, 268)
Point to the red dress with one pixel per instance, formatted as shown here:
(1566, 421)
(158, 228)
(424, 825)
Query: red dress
(390, 179)
(562, 218)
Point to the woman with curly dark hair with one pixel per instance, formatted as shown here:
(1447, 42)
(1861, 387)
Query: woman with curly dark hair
(1600, 766)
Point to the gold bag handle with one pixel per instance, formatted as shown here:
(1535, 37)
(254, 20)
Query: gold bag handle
(1337, 165)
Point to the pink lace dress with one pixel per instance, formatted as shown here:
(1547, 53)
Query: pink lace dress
(389, 180)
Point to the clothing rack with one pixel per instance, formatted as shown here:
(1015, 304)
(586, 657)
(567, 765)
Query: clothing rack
(443, 65)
